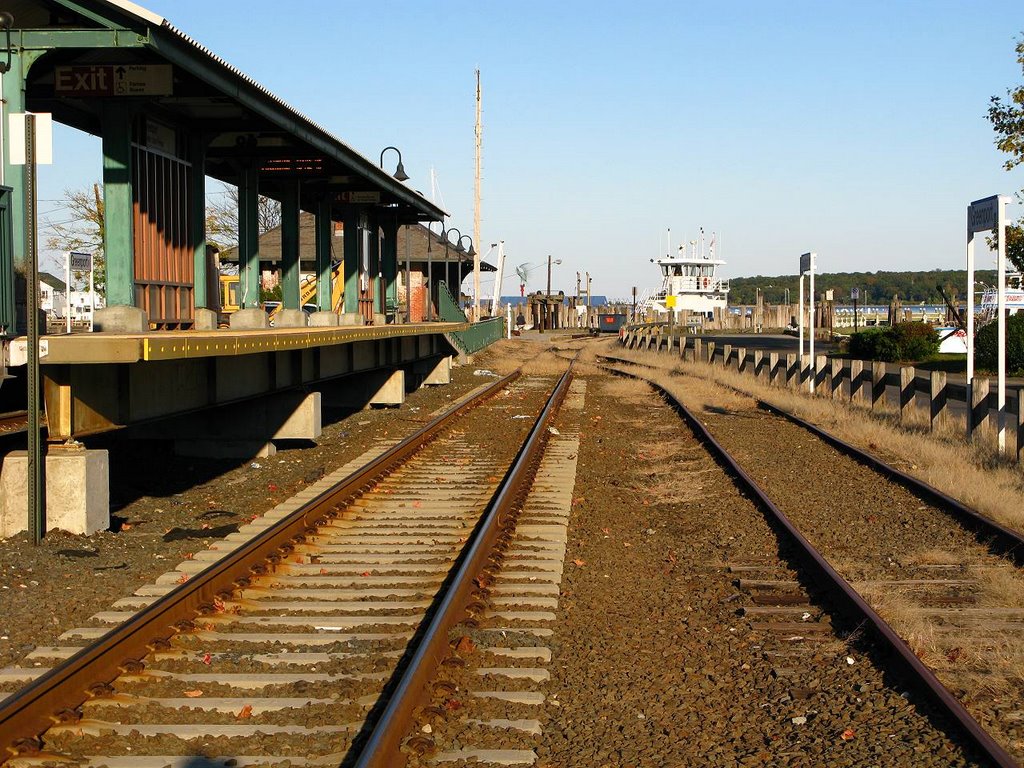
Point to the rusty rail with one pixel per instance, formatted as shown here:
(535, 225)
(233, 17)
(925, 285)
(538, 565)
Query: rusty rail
(26, 714)
(383, 745)
(1003, 540)
(848, 596)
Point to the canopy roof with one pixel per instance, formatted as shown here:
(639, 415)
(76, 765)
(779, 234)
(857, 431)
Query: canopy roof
(209, 100)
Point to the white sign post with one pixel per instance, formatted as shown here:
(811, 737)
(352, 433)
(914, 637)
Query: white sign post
(807, 266)
(77, 262)
(982, 215)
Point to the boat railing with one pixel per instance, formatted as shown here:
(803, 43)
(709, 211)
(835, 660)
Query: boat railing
(695, 284)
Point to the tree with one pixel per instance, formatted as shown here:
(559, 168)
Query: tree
(81, 229)
(222, 217)
(81, 225)
(1007, 120)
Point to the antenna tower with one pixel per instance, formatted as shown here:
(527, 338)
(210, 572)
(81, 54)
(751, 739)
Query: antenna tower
(476, 206)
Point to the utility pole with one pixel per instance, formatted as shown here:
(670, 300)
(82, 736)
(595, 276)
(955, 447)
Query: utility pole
(476, 205)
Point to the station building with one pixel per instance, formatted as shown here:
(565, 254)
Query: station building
(170, 113)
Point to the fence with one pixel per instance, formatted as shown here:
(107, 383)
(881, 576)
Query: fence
(875, 384)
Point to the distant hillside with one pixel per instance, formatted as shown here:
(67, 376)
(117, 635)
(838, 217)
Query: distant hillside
(875, 287)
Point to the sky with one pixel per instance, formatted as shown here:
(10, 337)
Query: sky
(855, 130)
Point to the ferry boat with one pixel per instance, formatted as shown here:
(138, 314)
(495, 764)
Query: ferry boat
(689, 282)
(1014, 297)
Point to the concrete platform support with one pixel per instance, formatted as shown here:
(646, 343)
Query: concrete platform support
(290, 318)
(77, 491)
(245, 430)
(323, 319)
(380, 388)
(351, 318)
(249, 319)
(121, 319)
(205, 319)
(434, 372)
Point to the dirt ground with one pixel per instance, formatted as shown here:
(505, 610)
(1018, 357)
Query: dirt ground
(165, 507)
(652, 666)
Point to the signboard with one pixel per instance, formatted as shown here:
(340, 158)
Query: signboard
(806, 263)
(114, 80)
(983, 215)
(359, 197)
(81, 262)
(829, 294)
(44, 137)
(855, 293)
(670, 302)
(161, 138)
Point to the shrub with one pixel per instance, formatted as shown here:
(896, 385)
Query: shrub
(903, 341)
(916, 341)
(985, 345)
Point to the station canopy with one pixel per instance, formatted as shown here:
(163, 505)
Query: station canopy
(96, 51)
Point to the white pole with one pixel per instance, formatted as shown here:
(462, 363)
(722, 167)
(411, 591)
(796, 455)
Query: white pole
(508, 321)
(800, 321)
(970, 322)
(92, 292)
(814, 257)
(67, 293)
(1001, 327)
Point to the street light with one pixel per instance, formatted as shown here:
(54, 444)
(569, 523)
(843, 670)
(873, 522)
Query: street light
(472, 254)
(447, 242)
(547, 303)
(400, 173)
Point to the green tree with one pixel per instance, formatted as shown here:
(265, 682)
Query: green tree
(80, 228)
(1007, 118)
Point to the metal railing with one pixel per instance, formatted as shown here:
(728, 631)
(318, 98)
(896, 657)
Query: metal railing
(478, 335)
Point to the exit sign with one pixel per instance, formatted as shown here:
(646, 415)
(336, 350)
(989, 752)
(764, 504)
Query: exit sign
(114, 80)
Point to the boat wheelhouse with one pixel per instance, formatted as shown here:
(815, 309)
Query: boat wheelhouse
(689, 282)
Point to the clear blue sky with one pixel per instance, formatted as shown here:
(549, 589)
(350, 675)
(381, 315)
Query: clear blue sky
(856, 130)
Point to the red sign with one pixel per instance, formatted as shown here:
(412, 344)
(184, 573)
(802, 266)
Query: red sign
(114, 80)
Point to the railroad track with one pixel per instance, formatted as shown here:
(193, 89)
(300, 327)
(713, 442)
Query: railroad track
(311, 635)
(942, 594)
(13, 422)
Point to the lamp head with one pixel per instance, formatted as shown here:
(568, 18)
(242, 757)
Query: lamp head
(6, 20)
(400, 173)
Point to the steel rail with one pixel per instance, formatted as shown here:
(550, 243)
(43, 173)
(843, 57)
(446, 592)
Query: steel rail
(848, 596)
(382, 748)
(26, 714)
(1004, 541)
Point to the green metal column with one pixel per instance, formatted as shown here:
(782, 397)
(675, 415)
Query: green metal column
(14, 175)
(324, 289)
(290, 298)
(201, 279)
(389, 262)
(373, 258)
(352, 239)
(248, 238)
(118, 240)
